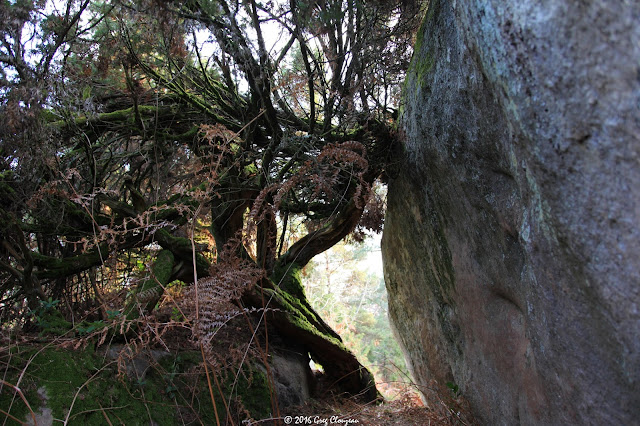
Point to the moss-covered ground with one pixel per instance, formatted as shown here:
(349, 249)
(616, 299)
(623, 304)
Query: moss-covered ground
(83, 387)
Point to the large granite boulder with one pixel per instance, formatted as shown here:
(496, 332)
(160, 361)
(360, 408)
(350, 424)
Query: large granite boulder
(512, 239)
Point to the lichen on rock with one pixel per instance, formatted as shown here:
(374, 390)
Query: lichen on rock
(511, 232)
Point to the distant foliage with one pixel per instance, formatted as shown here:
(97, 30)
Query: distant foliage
(353, 300)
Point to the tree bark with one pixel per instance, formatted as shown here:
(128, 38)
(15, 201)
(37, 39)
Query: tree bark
(149, 292)
(296, 321)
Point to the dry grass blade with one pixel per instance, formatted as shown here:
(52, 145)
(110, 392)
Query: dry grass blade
(12, 417)
(19, 392)
(195, 286)
(105, 414)
(75, 397)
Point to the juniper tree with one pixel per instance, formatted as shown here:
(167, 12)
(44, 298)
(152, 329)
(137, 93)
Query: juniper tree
(127, 126)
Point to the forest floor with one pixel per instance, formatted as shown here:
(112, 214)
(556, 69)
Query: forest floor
(403, 405)
(405, 408)
(406, 411)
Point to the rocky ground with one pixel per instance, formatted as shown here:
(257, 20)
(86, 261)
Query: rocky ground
(405, 409)
(158, 368)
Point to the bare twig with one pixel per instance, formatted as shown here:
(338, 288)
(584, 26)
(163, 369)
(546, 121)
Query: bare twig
(19, 392)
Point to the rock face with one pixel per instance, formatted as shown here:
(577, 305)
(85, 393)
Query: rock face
(512, 240)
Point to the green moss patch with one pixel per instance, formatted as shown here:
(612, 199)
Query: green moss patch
(288, 277)
(423, 59)
(84, 387)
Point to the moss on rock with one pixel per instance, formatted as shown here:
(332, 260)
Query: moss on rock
(80, 386)
(423, 59)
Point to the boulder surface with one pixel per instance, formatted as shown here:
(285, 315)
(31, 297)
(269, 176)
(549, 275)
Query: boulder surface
(512, 238)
